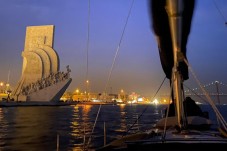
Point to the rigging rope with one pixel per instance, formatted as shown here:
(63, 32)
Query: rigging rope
(220, 118)
(87, 48)
(111, 66)
(220, 12)
(88, 39)
(195, 93)
(94, 126)
(209, 100)
(144, 109)
(116, 54)
(167, 112)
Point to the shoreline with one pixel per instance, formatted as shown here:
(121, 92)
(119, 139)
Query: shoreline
(35, 103)
(50, 103)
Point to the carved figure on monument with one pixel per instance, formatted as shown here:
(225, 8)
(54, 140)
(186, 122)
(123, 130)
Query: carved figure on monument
(40, 69)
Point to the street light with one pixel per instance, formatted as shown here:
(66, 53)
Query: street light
(122, 95)
(7, 86)
(1, 84)
(77, 91)
(87, 83)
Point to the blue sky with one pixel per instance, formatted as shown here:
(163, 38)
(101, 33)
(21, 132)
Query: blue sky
(137, 67)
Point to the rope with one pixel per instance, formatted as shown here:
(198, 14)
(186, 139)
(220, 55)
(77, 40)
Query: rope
(87, 59)
(94, 125)
(118, 48)
(167, 113)
(88, 39)
(209, 100)
(144, 109)
(195, 93)
(220, 12)
(111, 66)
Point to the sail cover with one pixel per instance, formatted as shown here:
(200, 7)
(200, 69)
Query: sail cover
(161, 28)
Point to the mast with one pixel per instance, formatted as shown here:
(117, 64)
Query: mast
(175, 10)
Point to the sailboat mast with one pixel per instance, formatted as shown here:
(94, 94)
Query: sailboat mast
(175, 10)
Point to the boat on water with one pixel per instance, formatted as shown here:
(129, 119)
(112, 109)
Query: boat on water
(186, 129)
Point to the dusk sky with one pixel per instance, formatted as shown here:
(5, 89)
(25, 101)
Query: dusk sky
(137, 67)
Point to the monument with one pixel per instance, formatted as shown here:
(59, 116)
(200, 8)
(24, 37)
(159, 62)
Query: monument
(41, 79)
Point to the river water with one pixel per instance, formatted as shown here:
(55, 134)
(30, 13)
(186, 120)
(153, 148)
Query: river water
(66, 128)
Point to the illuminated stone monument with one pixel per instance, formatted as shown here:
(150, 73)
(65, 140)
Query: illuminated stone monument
(41, 79)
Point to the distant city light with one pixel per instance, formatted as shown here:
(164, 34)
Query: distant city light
(155, 102)
(140, 99)
(119, 101)
(96, 100)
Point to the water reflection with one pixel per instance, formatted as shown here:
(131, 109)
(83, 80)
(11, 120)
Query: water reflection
(3, 128)
(82, 125)
(75, 123)
(123, 124)
(28, 128)
(37, 128)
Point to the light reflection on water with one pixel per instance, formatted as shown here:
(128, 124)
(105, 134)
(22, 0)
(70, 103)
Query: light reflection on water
(37, 128)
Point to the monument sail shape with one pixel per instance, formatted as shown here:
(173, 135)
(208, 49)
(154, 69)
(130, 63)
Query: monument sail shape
(41, 79)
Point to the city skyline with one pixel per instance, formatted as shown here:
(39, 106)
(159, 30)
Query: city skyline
(137, 67)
